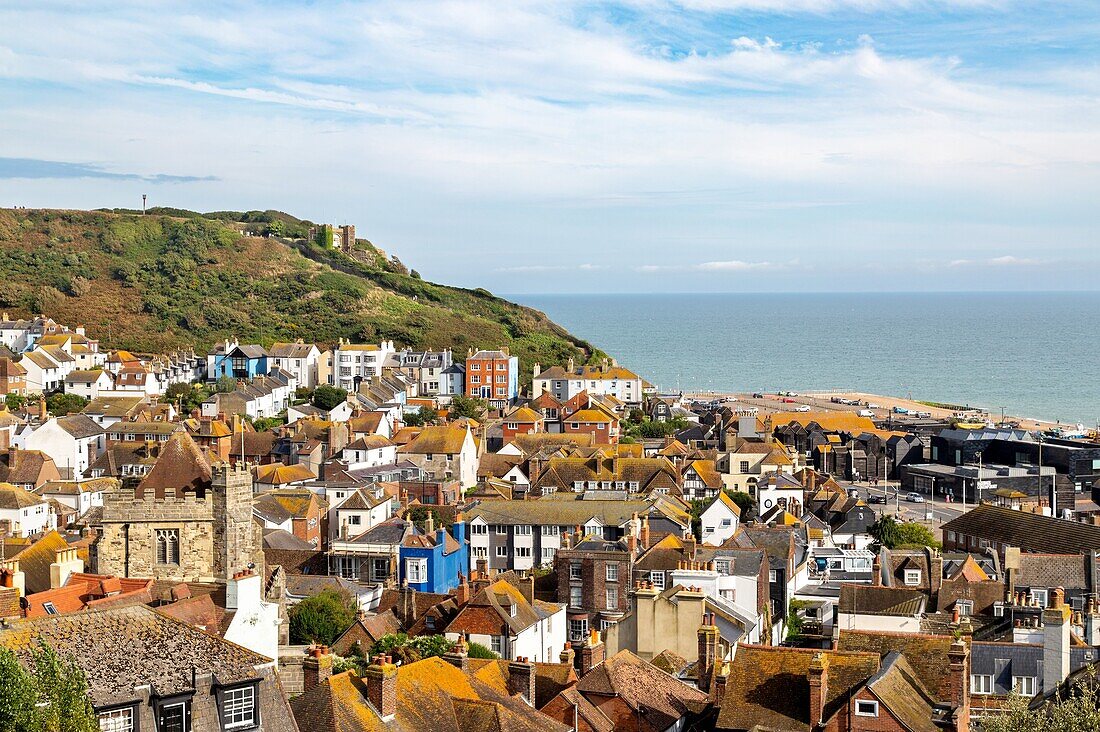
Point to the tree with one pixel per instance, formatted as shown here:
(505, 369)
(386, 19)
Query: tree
(1076, 709)
(60, 404)
(419, 514)
(476, 650)
(321, 618)
(745, 502)
(189, 396)
(885, 532)
(914, 535)
(14, 402)
(225, 384)
(62, 688)
(328, 397)
(420, 417)
(17, 695)
(50, 695)
(469, 407)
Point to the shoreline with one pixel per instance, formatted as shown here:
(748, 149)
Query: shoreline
(882, 405)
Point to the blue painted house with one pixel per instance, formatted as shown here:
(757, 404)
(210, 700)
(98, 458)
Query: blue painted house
(236, 361)
(435, 560)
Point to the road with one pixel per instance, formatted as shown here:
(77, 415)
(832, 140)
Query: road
(906, 511)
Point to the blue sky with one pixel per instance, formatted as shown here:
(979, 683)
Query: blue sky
(635, 146)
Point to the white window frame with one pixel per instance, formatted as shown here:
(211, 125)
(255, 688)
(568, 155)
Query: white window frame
(912, 577)
(981, 684)
(574, 570)
(1039, 596)
(416, 570)
(239, 707)
(866, 708)
(612, 572)
(1024, 685)
(576, 592)
(117, 720)
(658, 580)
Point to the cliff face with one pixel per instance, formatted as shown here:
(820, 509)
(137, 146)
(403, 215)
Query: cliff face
(178, 278)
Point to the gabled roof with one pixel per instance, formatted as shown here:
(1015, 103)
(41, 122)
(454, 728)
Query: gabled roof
(279, 474)
(431, 694)
(121, 648)
(13, 497)
(768, 686)
(436, 439)
(897, 686)
(79, 426)
(1029, 531)
(927, 654)
(642, 687)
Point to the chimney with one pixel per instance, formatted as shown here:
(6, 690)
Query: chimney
(876, 571)
(720, 680)
(569, 367)
(591, 653)
(243, 591)
(644, 538)
(521, 679)
(1092, 623)
(317, 667)
(537, 369)
(568, 656)
(65, 564)
(43, 413)
(708, 652)
(406, 605)
(819, 682)
(458, 656)
(958, 679)
(381, 680)
(935, 572)
(1056, 644)
(429, 524)
(12, 576)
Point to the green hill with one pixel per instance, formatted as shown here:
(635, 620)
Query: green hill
(176, 278)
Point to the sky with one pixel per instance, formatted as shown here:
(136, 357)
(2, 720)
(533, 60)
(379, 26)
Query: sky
(632, 146)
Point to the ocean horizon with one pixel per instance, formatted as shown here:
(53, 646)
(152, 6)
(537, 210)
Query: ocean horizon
(1032, 353)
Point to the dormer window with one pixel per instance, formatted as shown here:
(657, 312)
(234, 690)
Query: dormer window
(912, 577)
(512, 610)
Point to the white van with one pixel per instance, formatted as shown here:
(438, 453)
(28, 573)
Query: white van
(866, 413)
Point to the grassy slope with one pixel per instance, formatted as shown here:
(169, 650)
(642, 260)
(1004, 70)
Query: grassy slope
(159, 282)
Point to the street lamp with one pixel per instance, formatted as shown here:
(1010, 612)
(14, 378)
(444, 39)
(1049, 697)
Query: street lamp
(979, 453)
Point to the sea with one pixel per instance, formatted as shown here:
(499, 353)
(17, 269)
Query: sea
(1037, 355)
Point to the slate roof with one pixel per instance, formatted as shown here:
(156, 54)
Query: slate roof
(1068, 571)
(79, 426)
(768, 686)
(1030, 532)
(120, 648)
(872, 600)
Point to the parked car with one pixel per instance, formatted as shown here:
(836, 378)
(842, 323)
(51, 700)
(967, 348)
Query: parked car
(872, 405)
(802, 408)
(914, 497)
(876, 498)
(866, 413)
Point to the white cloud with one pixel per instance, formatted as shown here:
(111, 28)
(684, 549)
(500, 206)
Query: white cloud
(1007, 260)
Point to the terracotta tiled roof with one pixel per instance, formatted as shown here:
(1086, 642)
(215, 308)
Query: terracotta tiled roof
(898, 688)
(641, 685)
